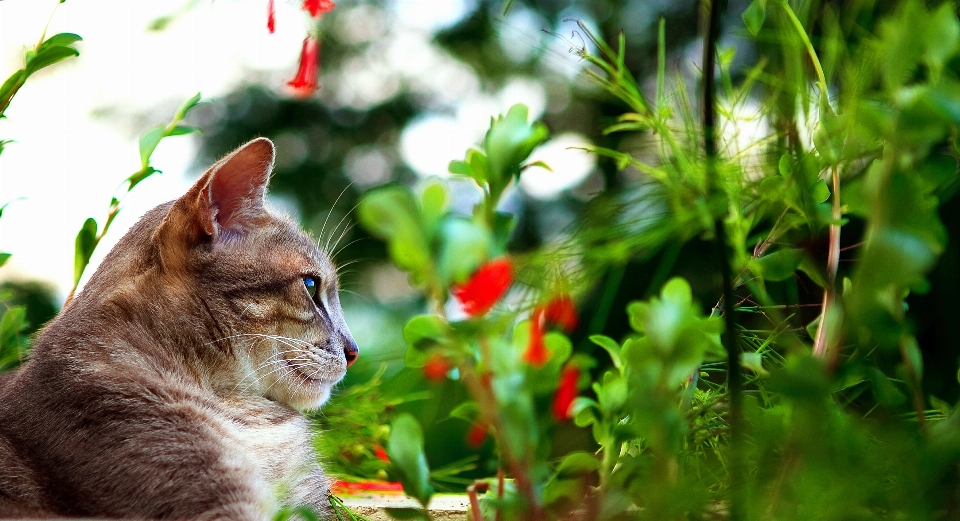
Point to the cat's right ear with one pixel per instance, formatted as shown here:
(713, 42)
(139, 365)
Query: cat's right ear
(225, 203)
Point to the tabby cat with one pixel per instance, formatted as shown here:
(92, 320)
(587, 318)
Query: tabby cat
(170, 387)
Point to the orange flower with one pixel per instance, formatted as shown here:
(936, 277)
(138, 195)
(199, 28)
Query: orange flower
(347, 488)
(566, 392)
(318, 7)
(485, 287)
(536, 353)
(305, 82)
(436, 368)
(561, 311)
(271, 17)
(477, 433)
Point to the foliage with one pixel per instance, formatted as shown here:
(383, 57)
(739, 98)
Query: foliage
(836, 423)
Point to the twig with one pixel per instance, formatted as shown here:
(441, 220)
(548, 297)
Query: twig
(822, 347)
(722, 249)
(477, 486)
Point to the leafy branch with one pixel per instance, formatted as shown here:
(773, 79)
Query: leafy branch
(90, 235)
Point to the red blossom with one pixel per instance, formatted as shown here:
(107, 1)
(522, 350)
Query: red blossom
(485, 287)
(566, 392)
(318, 7)
(561, 311)
(477, 433)
(536, 353)
(436, 368)
(271, 17)
(346, 488)
(380, 453)
(305, 82)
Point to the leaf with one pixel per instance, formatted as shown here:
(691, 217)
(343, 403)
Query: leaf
(4, 257)
(83, 248)
(405, 450)
(753, 361)
(406, 513)
(754, 16)
(467, 411)
(425, 331)
(612, 348)
(12, 83)
(59, 40)
(578, 463)
(48, 57)
(779, 265)
(181, 130)
(11, 324)
(464, 247)
(148, 143)
(186, 106)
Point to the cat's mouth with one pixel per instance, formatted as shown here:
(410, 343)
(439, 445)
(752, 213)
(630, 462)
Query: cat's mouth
(304, 371)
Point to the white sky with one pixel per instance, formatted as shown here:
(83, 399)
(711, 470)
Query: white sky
(66, 163)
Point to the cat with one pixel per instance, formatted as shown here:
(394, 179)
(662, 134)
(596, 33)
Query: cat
(171, 386)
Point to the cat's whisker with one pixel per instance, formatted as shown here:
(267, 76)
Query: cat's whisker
(323, 226)
(334, 254)
(326, 247)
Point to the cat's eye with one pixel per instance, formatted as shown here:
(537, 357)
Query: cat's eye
(312, 286)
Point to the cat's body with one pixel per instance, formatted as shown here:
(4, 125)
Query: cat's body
(168, 388)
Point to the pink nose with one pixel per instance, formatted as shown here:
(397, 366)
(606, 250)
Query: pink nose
(350, 351)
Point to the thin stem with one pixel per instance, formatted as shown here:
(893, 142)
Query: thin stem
(723, 253)
(821, 346)
(802, 33)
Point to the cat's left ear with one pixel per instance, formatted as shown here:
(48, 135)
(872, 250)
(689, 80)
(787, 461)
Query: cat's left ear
(232, 198)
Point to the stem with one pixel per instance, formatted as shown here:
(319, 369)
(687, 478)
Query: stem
(474, 502)
(802, 33)
(723, 253)
(821, 346)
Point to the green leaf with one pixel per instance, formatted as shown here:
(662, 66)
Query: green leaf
(779, 265)
(186, 106)
(508, 143)
(181, 130)
(148, 143)
(48, 57)
(11, 324)
(4, 257)
(753, 361)
(577, 464)
(464, 247)
(83, 248)
(406, 513)
(754, 16)
(12, 83)
(612, 348)
(467, 411)
(405, 450)
(425, 331)
(60, 40)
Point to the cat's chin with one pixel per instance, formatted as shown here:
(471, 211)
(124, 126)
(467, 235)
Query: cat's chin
(302, 397)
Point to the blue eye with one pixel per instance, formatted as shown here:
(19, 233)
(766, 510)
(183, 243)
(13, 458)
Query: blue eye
(311, 284)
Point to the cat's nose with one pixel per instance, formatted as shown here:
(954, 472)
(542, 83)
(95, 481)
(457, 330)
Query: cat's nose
(350, 351)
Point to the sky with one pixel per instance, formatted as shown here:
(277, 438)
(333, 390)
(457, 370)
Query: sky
(75, 125)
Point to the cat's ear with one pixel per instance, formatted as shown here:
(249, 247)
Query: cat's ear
(232, 191)
(226, 201)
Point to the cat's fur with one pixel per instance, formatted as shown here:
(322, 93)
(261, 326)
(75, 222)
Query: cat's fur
(169, 387)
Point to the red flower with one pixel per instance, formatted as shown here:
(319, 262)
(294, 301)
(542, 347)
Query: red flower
(436, 368)
(566, 392)
(271, 17)
(346, 488)
(561, 311)
(380, 453)
(305, 82)
(318, 7)
(536, 353)
(485, 288)
(477, 433)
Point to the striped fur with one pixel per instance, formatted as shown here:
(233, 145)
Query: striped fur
(170, 388)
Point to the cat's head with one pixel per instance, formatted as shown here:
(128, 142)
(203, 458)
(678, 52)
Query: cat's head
(267, 291)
